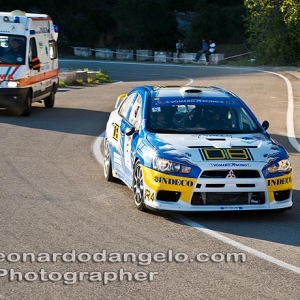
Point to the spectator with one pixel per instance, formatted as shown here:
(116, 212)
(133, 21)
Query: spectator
(212, 48)
(203, 50)
(179, 48)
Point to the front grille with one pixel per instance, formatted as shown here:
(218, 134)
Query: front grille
(224, 173)
(228, 198)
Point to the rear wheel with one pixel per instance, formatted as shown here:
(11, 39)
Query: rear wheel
(107, 163)
(138, 187)
(49, 101)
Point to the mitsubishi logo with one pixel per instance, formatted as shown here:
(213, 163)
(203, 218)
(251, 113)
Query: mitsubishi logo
(230, 174)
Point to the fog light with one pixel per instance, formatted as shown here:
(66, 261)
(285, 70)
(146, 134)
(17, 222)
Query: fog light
(197, 199)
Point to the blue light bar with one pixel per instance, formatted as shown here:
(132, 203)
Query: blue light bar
(16, 19)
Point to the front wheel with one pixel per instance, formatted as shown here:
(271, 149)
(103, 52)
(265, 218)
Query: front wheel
(138, 187)
(25, 109)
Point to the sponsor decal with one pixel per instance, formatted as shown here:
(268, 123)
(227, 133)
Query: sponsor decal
(277, 184)
(173, 181)
(230, 165)
(279, 181)
(155, 181)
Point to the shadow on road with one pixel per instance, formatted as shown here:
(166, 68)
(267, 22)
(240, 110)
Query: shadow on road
(68, 120)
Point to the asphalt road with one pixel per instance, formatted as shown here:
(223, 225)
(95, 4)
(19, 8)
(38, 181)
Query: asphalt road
(54, 199)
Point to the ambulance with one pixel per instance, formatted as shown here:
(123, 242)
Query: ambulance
(28, 61)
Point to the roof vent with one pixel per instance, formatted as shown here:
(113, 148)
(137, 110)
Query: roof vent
(191, 90)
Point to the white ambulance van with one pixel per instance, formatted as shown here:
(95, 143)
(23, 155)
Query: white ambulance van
(28, 61)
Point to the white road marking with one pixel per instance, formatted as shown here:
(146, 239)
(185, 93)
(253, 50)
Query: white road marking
(97, 150)
(290, 113)
(292, 139)
(235, 244)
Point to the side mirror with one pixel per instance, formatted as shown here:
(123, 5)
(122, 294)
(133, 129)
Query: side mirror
(265, 125)
(130, 131)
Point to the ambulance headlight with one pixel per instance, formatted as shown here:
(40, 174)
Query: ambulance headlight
(10, 84)
(281, 166)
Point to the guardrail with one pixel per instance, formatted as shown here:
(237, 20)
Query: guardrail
(144, 55)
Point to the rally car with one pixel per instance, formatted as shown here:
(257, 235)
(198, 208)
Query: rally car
(182, 148)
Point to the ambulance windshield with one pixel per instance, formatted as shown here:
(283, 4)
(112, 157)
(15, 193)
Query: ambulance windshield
(12, 49)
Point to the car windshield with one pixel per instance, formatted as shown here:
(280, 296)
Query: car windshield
(204, 119)
(12, 49)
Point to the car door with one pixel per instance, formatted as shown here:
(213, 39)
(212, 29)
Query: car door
(129, 133)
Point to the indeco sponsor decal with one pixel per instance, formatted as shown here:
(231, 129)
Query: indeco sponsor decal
(279, 181)
(172, 181)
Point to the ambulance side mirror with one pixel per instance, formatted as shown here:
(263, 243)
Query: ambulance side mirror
(35, 64)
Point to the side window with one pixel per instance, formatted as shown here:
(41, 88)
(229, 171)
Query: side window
(125, 106)
(32, 49)
(135, 113)
(53, 49)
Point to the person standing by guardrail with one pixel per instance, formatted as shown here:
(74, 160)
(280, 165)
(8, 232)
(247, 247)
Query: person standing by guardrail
(179, 48)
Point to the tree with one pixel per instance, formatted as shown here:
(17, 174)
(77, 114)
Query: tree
(273, 26)
(147, 24)
(220, 22)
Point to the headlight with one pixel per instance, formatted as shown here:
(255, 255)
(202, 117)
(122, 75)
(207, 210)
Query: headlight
(168, 166)
(281, 166)
(10, 84)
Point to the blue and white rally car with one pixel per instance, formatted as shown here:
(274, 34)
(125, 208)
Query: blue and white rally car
(182, 148)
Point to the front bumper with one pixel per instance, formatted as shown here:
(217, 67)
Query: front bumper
(12, 97)
(173, 193)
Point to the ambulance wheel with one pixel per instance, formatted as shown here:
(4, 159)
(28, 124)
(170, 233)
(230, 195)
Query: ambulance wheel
(25, 109)
(49, 101)
(138, 187)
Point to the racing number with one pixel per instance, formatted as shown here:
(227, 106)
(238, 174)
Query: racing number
(116, 132)
(237, 154)
(232, 154)
(148, 196)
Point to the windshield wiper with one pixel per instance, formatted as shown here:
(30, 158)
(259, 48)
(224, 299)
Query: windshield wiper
(167, 130)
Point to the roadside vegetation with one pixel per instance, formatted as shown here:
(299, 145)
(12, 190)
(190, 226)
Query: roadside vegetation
(84, 77)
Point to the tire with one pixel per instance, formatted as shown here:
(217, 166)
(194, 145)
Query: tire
(138, 187)
(107, 163)
(25, 109)
(49, 101)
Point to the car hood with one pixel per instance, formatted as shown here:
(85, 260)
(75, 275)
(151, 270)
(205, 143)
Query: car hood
(257, 147)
